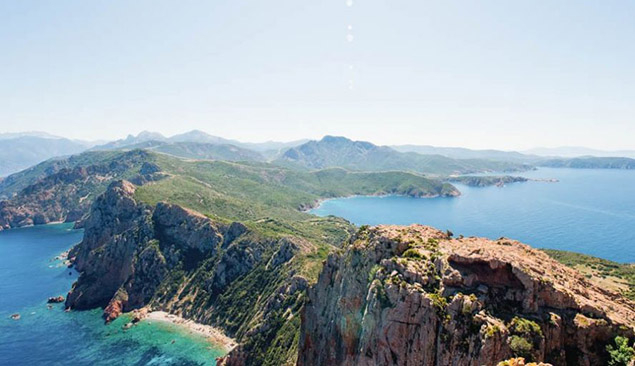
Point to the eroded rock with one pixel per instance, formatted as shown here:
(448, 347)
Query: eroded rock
(412, 295)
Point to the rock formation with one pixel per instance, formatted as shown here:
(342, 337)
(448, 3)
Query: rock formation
(173, 259)
(55, 299)
(414, 296)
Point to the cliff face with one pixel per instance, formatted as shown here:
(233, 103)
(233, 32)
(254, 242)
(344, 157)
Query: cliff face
(177, 260)
(117, 231)
(412, 295)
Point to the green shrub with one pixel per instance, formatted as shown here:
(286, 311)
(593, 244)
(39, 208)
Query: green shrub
(373, 272)
(491, 331)
(526, 327)
(520, 346)
(526, 335)
(413, 253)
(622, 353)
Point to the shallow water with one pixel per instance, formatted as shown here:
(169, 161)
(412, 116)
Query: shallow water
(589, 211)
(29, 275)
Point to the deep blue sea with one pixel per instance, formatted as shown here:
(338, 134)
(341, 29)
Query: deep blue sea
(29, 275)
(588, 211)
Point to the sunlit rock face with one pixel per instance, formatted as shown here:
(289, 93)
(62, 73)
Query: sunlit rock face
(414, 296)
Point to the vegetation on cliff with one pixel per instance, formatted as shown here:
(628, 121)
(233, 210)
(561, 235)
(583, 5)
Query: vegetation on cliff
(619, 277)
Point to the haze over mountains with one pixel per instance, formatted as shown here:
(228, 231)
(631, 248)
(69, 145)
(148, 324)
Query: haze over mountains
(19, 151)
(577, 151)
(334, 151)
(197, 136)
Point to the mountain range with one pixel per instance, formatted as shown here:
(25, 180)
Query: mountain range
(19, 151)
(335, 151)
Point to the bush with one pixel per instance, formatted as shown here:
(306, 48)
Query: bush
(412, 253)
(525, 327)
(622, 353)
(520, 346)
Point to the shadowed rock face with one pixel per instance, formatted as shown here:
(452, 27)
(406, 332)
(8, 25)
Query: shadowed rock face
(116, 230)
(184, 235)
(413, 296)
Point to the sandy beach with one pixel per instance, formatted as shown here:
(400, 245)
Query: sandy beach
(214, 335)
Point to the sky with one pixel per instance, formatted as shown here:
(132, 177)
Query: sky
(479, 74)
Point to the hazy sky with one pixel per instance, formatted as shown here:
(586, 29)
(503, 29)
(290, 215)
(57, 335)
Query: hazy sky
(501, 74)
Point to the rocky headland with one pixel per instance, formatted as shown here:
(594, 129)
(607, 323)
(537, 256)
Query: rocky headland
(413, 295)
(171, 259)
(66, 193)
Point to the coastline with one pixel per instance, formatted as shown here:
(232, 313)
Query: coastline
(318, 202)
(214, 335)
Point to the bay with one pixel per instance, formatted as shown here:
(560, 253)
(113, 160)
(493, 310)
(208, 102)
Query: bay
(590, 211)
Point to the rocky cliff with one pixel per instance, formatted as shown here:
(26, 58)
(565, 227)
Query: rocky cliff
(173, 259)
(414, 296)
(66, 193)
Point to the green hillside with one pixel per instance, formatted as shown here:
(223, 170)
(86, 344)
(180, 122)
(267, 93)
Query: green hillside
(363, 156)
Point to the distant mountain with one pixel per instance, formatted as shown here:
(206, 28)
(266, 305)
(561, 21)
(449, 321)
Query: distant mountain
(196, 150)
(200, 136)
(41, 134)
(591, 163)
(334, 151)
(23, 150)
(130, 140)
(463, 153)
(199, 150)
(577, 151)
(269, 149)
(272, 147)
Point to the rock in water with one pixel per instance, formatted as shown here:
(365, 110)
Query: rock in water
(55, 299)
(414, 296)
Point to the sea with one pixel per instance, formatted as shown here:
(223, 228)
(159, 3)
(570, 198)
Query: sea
(591, 211)
(30, 274)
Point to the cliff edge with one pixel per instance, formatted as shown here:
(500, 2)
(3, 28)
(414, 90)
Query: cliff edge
(413, 295)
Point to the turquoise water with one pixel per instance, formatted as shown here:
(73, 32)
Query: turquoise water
(588, 211)
(29, 275)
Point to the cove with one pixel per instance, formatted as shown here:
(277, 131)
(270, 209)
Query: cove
(43, 336)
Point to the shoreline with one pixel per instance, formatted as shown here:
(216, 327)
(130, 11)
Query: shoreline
(306, 208)
(213, 334)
